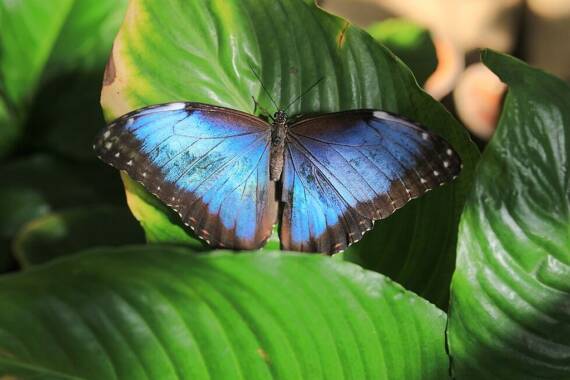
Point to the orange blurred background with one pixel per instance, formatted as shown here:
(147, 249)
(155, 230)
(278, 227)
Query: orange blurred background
(537, 31)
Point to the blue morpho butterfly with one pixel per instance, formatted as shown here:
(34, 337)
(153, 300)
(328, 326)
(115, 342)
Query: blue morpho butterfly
(230, 175)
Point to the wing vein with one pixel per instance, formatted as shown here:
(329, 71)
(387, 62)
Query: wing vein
(421, 154)
(247, 149)
(340, 198)
(393, 157)
(246, 179)
(314, 160)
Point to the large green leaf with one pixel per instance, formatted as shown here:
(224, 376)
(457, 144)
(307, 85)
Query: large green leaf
(65, 43)
(165, 313)
(410, 42)
(202, 51)
(510, 315)
(73, 230)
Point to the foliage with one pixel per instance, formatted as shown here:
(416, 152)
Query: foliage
(52, 55)
(165, 311)
(511, 290)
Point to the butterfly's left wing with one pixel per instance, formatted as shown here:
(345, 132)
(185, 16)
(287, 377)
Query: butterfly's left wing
(344, 170)
(209, 164)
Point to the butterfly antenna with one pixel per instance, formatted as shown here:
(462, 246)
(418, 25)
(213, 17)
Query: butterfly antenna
(263, 86)
(304, 93)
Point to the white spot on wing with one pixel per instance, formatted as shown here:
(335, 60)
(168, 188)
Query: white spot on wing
(449, 152)
(422, 180)
(167, 107)
(108, 145)
(380, 115)
(173, 106)
(435, 173)
(129, 122)
(425, 136)
(446, 164)
(106, 134)
(130, 163)
(386, 116)
(117, 154)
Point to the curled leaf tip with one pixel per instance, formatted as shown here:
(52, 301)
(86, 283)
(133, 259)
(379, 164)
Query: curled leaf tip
(110, 72)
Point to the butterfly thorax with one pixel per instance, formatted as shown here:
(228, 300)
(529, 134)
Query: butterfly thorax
(278, 134)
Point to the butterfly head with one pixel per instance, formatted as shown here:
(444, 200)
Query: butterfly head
(280, 117)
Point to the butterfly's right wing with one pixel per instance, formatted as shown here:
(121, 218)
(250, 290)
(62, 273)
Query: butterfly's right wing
(347, 169)
(209, 164)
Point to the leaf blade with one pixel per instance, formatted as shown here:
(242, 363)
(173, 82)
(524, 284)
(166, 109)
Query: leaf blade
(225, 316)
(511, 284)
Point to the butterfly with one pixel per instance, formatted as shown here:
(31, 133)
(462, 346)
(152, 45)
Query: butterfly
(231, 175)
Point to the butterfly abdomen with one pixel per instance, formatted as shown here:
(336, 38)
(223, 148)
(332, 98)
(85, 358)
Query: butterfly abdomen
(278, 135)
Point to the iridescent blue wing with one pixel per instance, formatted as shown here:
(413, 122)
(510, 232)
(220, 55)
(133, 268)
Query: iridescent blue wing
(210, 164)
(345, 170)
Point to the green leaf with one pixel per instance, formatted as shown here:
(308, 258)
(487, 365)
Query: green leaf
(410, 42)
(29, 30)
(165, 313)
(72, 81)
(73, 230)
(160, 56)
(35, 186)
(509, 315)
(86, 37)
(41, 41)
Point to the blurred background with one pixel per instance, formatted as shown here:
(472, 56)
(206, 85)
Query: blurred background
(536, 31)
(56, 198)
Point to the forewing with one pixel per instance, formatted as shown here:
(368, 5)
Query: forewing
(209, 164)
(345, 170)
